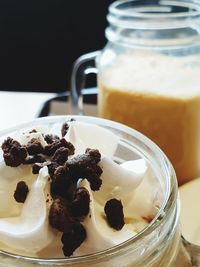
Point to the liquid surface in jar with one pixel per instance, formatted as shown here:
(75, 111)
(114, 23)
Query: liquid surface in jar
(158, 95)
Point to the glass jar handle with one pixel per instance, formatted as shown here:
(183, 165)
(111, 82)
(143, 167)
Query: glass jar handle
(193, 252)
(83, 66)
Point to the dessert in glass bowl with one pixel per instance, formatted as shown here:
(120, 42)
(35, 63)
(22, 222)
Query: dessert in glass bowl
(84, 191)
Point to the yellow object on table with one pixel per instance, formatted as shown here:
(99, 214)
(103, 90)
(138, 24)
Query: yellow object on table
(190, 216)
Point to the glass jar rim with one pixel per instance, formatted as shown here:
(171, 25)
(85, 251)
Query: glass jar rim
(158, 15)
(168, 202)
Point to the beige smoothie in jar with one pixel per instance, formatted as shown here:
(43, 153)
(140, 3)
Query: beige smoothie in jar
(158, 95)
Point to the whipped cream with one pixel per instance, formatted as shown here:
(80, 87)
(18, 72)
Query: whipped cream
(30, 231)
(25, 228)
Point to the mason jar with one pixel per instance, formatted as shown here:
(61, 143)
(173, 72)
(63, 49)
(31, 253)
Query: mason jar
(160, 243)
(148, 76)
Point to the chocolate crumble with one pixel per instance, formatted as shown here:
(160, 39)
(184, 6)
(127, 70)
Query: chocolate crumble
(114, 213)
(61, 155)
(52, 166)
(21, 192)
(80, 206)
(64, 129)
(50, 138)
(13, 152)
(33, 131)
(36, 167)
(8, 143)
(85, 166)
(50, 149)
(59, 215)
(34, 147)
(73, 239)
(62, 184)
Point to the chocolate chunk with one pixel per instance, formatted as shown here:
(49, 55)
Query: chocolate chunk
(52, 166)
(72, 119)
(50, 149)
(50, 138)
(34, 147)
(60, 172)
(62, 185)
(8, 143)
(61, 155)
(73, 239)
(14, 153)
(80, 206)
(21, 192)
(59, 215)
(36, 167)
(85, 166)
(71, 190)
(64, 129)
(33, 131)
(94, 154)
(114, 213)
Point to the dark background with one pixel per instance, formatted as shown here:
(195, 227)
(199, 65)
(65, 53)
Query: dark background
(40, 40)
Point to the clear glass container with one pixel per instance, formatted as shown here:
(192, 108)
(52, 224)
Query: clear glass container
(160, 243)
(149, 76)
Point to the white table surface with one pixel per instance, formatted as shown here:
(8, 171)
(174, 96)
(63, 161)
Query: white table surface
(19, 107)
